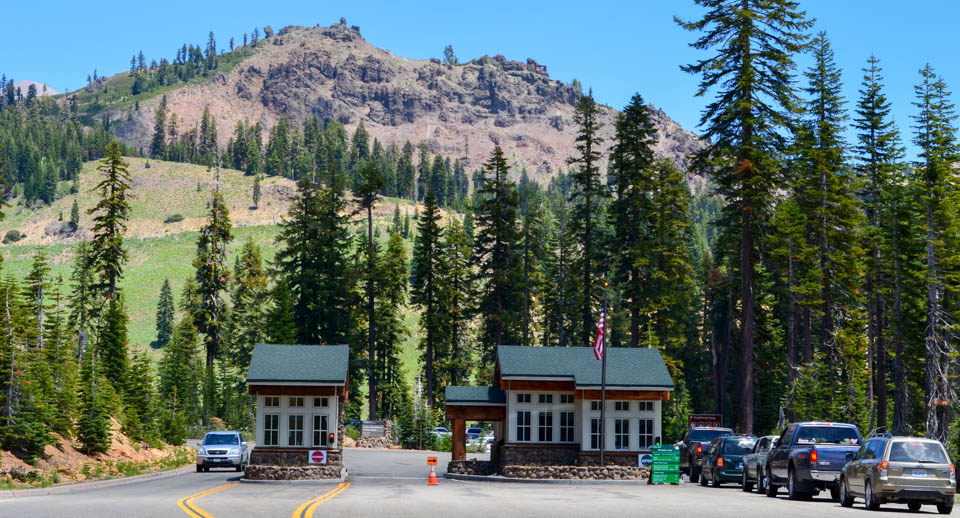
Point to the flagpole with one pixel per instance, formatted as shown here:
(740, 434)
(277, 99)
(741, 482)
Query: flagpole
(603, 378)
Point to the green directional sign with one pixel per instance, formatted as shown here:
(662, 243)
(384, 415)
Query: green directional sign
(666, 464)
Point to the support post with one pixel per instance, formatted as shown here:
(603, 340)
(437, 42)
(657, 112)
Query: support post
(459, 440)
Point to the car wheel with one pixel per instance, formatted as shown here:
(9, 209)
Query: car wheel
(869, 500)
(914, 506)
(745, 485)
(694, 473)
(703, 478)
(206, 469)
(199, 468)
(793, 492)
(714, 479)
(946, 508)
(845, 499)
(761, 482)
(239, 468)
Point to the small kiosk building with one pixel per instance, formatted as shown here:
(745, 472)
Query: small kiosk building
(301, 391)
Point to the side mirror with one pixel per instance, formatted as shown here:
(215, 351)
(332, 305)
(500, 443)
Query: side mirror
(849, 457)
(244, 444)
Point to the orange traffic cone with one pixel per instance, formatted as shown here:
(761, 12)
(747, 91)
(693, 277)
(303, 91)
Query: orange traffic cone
(433, 477)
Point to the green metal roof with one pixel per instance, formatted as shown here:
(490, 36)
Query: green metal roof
(466, 395)
(626, 367)
(298, 363)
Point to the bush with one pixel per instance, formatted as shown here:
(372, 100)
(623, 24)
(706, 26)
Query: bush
(13, 236)
(445, 443)
(173, 218)
(351, 432)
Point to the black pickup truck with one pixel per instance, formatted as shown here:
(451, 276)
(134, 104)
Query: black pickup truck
(694, 444)
(809, 457)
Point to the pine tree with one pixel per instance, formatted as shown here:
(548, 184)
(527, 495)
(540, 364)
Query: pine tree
(165, 314)
(752, 73)
(425, 287)
(180, 372)
(85, 305)
(370, 182)
(590, 191)
(498, 263)
(93, 430)
(879, 156)
(74, 216)
(248, 317)
(391, 287)
(281, 323)
(213, 276)
(112, 345)
(110, 221)
(632, 159)
(158, 145)
(936, 180)
(456, 290)
(256, 191)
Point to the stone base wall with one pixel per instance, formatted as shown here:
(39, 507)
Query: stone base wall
(291, 457)
(538, 455)
(577, 472)
(384, 441)
(259, 472)
(592, 458)
(472, 467)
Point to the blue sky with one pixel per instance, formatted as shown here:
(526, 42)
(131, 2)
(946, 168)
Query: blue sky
(615, 47)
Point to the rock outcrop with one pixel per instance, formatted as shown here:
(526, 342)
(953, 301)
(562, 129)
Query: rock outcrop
(461, 111)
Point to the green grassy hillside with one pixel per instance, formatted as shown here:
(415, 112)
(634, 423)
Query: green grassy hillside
(161, 250)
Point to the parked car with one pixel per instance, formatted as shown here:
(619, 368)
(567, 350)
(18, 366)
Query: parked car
(754, 462)
(222, 450)
(474, 433)
(440, 432)
(723, 461)
(693, 444)
(488, 444)
(809, 457)
(903, 470)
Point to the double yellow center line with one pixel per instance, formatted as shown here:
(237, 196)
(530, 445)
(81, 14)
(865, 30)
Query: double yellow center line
(306, 509)
(193, 510)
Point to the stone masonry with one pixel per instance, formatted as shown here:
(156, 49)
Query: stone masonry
(577, 472)
(266, 457)
(255, 472)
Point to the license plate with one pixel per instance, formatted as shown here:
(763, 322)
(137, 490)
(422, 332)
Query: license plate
(919, 472)
(219, 460)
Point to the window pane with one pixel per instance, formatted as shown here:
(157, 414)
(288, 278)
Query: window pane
(545, 427)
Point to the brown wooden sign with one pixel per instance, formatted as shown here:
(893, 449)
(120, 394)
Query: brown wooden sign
(431, 461)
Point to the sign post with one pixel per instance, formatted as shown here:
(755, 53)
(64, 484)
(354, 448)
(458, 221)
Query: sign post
(666, 464)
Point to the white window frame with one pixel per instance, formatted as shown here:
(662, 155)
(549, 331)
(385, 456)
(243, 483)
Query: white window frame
(271, 401)
(545, 426)
(621, 434)
(645, 440)
(567, 399)
(323, 430)
(545, 399)
(324, 402)
(621, 406)
(291, 430)
(524, 398)
(523, 425)
(568, 429)
(595, 433)
(275, 421)
(295, 402)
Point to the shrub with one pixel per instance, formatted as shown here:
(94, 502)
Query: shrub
(13, 236)
(351, 432)
(173, 218)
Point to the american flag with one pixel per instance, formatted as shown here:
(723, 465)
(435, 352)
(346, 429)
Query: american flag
(598, 342)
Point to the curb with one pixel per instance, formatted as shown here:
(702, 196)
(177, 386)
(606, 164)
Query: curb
(313, 482)
(78, 486)
(554, 481)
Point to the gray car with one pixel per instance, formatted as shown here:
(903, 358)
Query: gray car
(754, 462)
(222, 450)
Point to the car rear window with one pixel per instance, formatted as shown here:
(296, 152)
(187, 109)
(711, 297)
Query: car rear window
(917, 451)
(707, 435)
(740, 446)
(827, 435)
(220, 438)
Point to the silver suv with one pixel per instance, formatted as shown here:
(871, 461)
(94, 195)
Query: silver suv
(222, 450)
(904, 470)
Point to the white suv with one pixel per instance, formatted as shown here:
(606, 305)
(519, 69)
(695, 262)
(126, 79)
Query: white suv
(222, 450)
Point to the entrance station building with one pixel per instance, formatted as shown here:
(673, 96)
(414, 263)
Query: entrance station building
(547, 404)
(301, 391)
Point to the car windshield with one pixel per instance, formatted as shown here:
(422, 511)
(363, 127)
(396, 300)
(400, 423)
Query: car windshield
(827, 435)
(706, 435)
(917, 451)
(474, 430)
(220, 439)
(740, 446)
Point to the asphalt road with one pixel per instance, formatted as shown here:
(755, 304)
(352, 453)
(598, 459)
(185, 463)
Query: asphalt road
(393, 483)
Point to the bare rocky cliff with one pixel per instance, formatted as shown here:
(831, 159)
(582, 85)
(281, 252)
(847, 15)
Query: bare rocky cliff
(461, 111)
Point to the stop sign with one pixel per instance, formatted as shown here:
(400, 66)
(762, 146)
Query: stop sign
(318, 457)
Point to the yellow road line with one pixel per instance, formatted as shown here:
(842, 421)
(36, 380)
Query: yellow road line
(193, 510)
(306, 509)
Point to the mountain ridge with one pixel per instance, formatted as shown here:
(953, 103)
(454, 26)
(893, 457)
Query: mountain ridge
(460, 110)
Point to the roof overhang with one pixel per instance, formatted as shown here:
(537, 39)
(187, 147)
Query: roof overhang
(473, 403)
(288, 383)
(620, 387)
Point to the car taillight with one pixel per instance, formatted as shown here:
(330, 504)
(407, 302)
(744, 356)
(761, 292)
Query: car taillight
(699, 449)
(813, 456)
(883, 468)
(953, 472)
(720, 462)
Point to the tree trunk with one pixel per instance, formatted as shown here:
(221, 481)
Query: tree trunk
(901, 398)
(371, 319)
(932, 346)
(587, 257)
(791, 328)
(746, 319)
